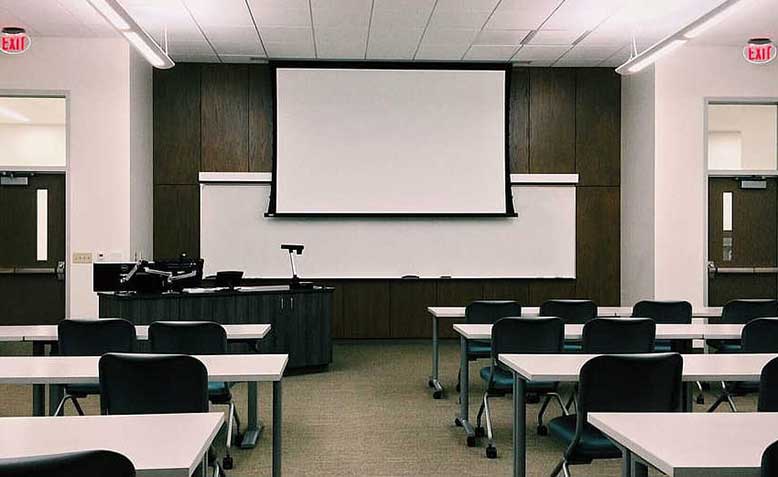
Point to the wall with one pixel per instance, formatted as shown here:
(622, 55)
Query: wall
(95, 75)
(562, 120)
(637, 193)
(32, 144)
(141, 158)
(682, 82)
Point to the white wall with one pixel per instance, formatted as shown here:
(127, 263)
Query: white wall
(95, 74)
(682, 82)
(141, 158)
(32, 144)
(637, 186)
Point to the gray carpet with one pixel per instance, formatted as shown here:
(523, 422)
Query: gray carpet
(372, 414)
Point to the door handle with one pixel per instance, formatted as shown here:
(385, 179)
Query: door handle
(746, 270)
(35, 271)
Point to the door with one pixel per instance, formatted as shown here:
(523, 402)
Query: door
(742, 239)
(32, 248)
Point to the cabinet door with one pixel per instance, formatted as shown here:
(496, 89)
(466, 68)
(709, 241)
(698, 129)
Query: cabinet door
(308, 337)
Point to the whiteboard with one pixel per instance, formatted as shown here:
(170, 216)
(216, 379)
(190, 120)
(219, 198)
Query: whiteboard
(390, 141)
(539, 243)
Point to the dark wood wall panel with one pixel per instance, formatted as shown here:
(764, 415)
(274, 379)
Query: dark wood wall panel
(176, 220)
(225, 123)
(552, 120)
(598, 127)
(260, 119)
(598, 264)
(561, 120)
(177, 124)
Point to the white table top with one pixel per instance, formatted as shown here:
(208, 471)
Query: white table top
(603, 311)
(663, 331)
(696, 367)
(575, 332)
(702, 444)
(49, 332)
(84, 369)
(159, 445)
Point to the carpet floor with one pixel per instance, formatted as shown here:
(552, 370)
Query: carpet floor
(372, 414)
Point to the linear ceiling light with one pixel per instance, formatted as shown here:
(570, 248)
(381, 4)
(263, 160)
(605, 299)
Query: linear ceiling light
(117, 16)
(675, 40)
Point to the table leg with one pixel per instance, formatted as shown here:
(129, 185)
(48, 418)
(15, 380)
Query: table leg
(56, 391)
(434, 382)
(253, 425)
(519, 427)
(463, 419)
(687, 396)
(277, 428)
(626, 462)
(38, 390)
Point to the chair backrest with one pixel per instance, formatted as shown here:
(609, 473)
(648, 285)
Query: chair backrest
(743, 311)
(571, 311)
(527, 336)
(619, 335)
(770, 461)
(760, 335)
(90, 463)
(768, 388)
(152, 384)
(488, 311)
(95, 337)
(187, 337)
(679, 312)
(630, 383)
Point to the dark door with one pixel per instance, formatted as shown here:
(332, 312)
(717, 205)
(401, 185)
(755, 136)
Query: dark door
(742, 239)
(32, 248)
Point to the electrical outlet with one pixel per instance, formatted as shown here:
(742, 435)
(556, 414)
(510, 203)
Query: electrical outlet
(82, 257)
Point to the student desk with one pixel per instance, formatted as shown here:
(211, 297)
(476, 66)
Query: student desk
(566, 367)
(159, 445)
(42, 335)
(572, 332)
(61, 370)
(458, 313)
(702, 444)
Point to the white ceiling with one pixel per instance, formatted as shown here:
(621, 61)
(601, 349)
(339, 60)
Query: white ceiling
(540, 32)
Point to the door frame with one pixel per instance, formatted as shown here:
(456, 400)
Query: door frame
(61, 94)
(707, 174)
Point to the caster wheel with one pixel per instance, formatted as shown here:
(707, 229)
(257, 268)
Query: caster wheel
(491, 452)
(700, 399)
(227, 462)
(542, 430)
(437, 395)
(470, 441)
(480, 432)
(457, 423)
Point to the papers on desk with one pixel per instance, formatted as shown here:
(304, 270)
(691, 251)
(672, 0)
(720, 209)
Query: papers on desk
(194, 291)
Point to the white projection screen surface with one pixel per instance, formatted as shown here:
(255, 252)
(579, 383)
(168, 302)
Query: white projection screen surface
(390, 141)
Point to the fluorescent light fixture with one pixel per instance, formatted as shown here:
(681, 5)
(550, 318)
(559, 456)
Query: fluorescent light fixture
(13, 115)
(117, 16)
(675, 40)
(713, 17)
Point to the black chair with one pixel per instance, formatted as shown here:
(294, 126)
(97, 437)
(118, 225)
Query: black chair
(572, 312)
(91, 338)
(91, 463)
(770, 461)
(616, 383)
(153, 384)
(740, 312)
(768, 388)
(758, 336)
(486, 312)
(199, 338)
(619, 336)
(519, 336)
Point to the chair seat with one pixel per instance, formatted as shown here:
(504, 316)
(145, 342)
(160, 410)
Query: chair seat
(82, 390)
(503, 381)
(479, 349)
(219, 393)
(593, 443)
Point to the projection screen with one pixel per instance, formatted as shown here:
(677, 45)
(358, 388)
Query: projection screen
(355, 141)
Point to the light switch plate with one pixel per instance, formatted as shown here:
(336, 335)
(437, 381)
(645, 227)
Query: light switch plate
(82, 257)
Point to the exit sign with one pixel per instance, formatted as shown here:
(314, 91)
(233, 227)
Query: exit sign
(14, 41)
(759, 51)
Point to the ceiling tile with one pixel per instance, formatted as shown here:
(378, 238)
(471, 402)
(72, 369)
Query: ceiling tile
(539, 53)
(241, 59)
(500, 37)
(555, 37)
(341, 43)
(290, 50)
(521, 14)
(583, 14)
(460, 19)
(235, 41)
(589, 53)
(392, 44)
(465, 5)
(290, 13)
(490, 52)
(402, 14)
(340, 13)
(224, 13)
(440, 52)
(449, 36)
(286, 35)
(576, 63)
